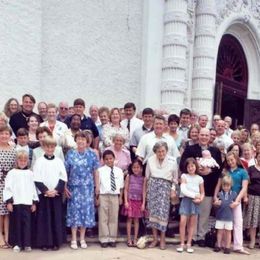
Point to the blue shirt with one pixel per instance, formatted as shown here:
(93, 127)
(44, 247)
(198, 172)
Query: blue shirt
(238, 176)
(224, 212)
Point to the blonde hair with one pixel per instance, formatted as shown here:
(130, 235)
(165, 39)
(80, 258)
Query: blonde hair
(22, 154)
(226, 180)
(49, 141)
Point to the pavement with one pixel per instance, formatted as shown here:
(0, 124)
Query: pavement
(122, 252)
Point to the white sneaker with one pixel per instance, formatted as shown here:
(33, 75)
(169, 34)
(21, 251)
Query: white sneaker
(27, 249)
(73, 245)
(16, 249)
(83, 244)
(180, 249)
(190, 250)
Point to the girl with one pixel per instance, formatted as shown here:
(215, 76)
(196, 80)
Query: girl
(252, 220)
(7, 161)
(234, 168)
(21, 196)
(192, 193)
(134, 196)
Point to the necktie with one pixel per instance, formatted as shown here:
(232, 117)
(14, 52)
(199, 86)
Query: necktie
(128, 125)
(112, 180)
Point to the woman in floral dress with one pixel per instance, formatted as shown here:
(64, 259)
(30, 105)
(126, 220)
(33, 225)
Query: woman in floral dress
(81, 163)
(7, 161)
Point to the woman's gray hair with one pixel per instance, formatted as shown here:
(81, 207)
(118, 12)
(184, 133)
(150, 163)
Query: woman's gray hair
(160, 144)
(118, 135)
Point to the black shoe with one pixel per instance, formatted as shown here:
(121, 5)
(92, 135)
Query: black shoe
(201, 243)
(104, 245)
(44, 248)
(55, 248)
(227, 251)
(217, 249)
(112, 244)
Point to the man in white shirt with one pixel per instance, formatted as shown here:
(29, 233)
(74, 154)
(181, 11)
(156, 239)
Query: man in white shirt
(184, 127)
(203, 121)
(228, 121)
(222, 138)
(147, 142)
(131, 122)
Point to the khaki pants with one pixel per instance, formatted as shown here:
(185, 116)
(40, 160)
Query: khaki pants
(108, 218)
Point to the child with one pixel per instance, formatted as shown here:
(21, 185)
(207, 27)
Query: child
(207, 160)
(134, 196)
(50, 177)
(233, 167)
(22, 137)
(224, 215)
(21, 196)
(109, 191)
(192, 193)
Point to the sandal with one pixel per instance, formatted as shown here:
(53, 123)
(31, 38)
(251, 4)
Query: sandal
(153, 244)
(129, 243)
(5, 246)
(73, 244)
(242, 251)
(189, 249)
(135, 243)
(83, 244)
(180, 248)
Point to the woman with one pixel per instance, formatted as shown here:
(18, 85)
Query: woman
(103, 114)
(11, 107)
(68, 139)
(56, 127)
(193, 137)
(247, 153)
(213, 135)
(81, 164)
(173, 124)
(122, 155)
(113, 128)
(245, 136)
(162, 175)
(237, 150)
(7, 161)
(252, 214)
(33, 124)
(236, 137)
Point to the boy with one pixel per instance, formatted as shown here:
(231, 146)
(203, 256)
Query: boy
(50, 177)
(109, 192)
(224, 215)
(22, 138)
(21, 196)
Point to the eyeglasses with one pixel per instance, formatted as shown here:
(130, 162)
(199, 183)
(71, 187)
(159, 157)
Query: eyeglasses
(63, 108)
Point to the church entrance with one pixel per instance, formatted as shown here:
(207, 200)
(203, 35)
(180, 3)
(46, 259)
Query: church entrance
(231, 80)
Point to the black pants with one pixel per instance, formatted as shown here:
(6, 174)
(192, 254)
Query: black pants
(20, 226)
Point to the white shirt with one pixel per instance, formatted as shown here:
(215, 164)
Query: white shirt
(192, 184)
(134, 124)
(167, 170)
(147, 142)
(49, 172)
(105, 181)
(25, 148)
(59, 130)
(19, 185)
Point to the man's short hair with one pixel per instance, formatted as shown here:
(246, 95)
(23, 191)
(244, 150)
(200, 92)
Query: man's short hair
(185, 111)
(173, 118)
(31, 97)
(130, 105)
(148, 111)
(79, 102)
(22, 132)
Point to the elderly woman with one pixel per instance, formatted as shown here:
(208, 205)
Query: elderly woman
(11, 107)
(81, 164)
(236, 136)
(161, 174)
(122, 155)
(113, 128)
(56, 127)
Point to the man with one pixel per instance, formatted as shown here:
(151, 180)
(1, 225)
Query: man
(63, 111)
(216, 118)
(203, 121)
(93, 112)
(131, 122)
(184, 127)
(228, 121)
(42, 110)
(221, 137)
(145, 147)
(20, 119)
(86, 122)
(148, 118)
(209, 175)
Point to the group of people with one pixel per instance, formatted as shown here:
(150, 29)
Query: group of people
(59, 167)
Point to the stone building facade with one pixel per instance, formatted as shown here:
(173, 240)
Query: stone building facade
(158, 53)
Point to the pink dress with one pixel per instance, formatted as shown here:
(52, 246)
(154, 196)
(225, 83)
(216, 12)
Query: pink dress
(135, 197)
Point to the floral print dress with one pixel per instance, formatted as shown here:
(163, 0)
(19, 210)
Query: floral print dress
(80, 168)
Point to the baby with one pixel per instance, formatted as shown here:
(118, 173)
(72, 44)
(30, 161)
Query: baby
(207, 160)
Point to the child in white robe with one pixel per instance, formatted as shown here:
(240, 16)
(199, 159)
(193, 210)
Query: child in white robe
(21, 197)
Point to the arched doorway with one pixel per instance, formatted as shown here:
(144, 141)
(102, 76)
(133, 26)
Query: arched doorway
(231, 80)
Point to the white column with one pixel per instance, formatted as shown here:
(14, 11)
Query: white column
(203, 81)
(174, 66)
(152, 53)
